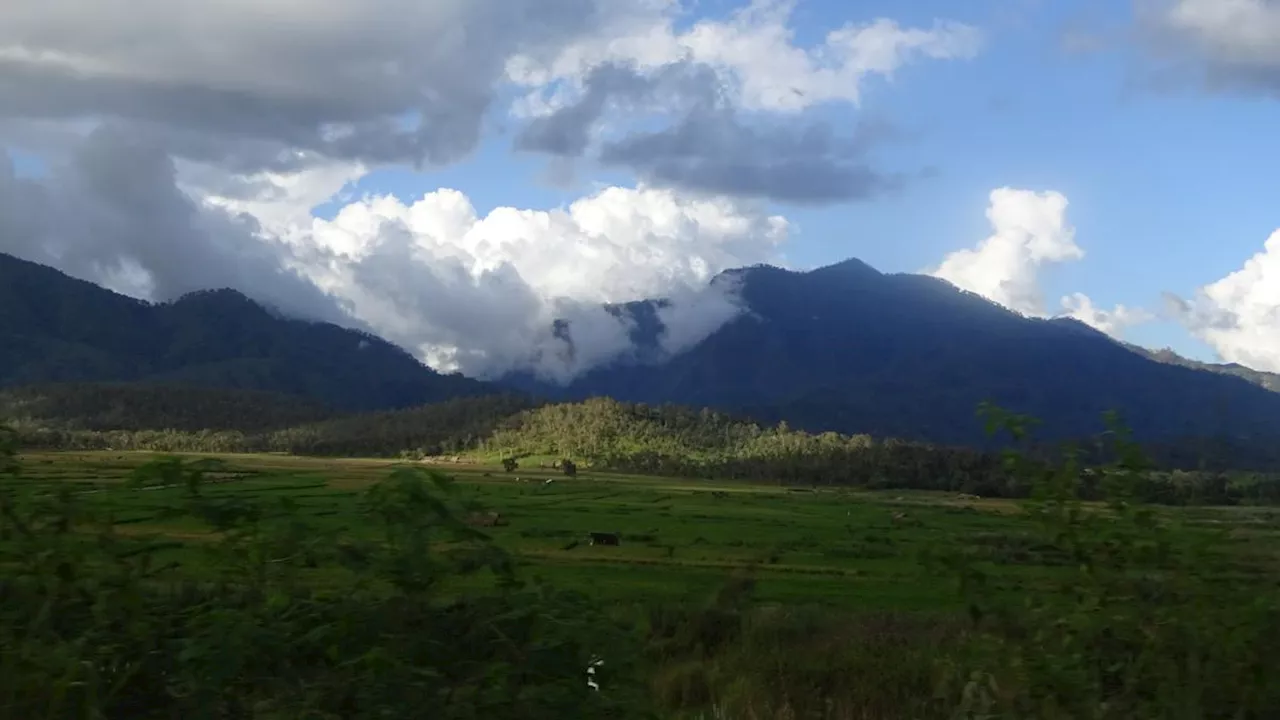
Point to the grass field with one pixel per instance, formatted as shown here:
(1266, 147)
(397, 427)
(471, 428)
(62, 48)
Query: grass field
(329, 589)
(680, 539)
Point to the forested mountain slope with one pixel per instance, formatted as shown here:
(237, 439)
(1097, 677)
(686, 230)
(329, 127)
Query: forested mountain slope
(155, 406)
(56, 329)
(1268, 380)
(841, 348)
(850, 349)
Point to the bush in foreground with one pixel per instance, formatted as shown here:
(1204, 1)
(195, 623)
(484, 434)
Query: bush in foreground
(280, 620)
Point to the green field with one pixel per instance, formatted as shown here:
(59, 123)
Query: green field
(305, 587)
(851, 549)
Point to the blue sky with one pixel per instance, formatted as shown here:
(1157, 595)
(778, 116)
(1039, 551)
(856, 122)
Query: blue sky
(1153, 120)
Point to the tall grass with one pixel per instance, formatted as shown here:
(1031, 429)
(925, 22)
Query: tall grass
(278, 618)
(96, 625)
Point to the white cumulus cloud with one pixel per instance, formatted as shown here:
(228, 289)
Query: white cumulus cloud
(1030, 230)
(1112, 322)
(1239, 315)
(514, 289)
(482, 294)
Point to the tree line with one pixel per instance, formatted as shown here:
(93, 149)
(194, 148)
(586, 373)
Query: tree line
(678, 441)
(600, 433)
(183, 419)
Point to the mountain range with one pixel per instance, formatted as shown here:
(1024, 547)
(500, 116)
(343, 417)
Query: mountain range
(843, 348)
(57, 329)
(850, 349)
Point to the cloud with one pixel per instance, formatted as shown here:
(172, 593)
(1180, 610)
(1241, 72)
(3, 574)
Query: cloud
(112, 213)
(690, 316)
(1112, 322)
(282, 202)
(709, 148)
(264, 91)
(1029, 231)
(514, 289)
(755, 55)
(719, 108)
(571, 127)
(1233, 44)
(713, 152)
(378, 81)
(1239, 315)
(483, 294)
(277, 85)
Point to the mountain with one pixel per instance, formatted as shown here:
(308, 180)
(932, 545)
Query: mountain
(56, 329)
(842, 348)
(850, 349)
(1268, 380)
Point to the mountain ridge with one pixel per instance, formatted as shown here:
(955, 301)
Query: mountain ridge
(844, 347)
(850, 349)
(1262, 378)
(57, 329)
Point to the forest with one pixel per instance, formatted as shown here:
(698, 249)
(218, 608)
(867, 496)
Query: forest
(601, 433)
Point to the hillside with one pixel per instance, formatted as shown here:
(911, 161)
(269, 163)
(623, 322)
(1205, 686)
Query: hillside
(850, 349)
(173, 418)
(56, 329)
(842, 348)
(1268, 380)
(142, 406)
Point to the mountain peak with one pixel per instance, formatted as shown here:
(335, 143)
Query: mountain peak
(746, 271)
(217, 298)
(851, 268)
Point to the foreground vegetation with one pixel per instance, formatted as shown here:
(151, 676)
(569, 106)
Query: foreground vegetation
(274, 587)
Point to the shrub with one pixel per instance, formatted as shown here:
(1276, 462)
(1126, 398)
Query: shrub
(95, 624)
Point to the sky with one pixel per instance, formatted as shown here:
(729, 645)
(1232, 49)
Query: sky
(459, 175)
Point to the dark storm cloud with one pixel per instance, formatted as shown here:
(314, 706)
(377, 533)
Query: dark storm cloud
(386, 81)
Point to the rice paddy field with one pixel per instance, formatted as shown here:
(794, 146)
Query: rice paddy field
(679, 539)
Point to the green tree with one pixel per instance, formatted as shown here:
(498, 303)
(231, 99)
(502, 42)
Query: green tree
(1139, 621)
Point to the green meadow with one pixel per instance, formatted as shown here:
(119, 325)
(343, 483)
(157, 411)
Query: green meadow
(273, 586)
(846, 548)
